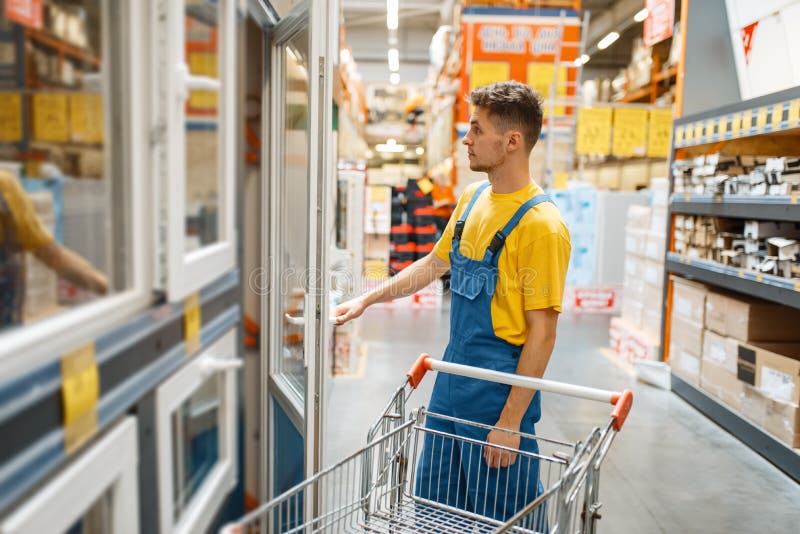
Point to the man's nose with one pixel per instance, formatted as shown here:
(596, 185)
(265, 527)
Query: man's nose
(466, 140)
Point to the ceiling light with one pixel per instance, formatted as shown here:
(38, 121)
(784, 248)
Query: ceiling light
(391, 141)
(345, 55)
(608, 40)
(641, 15)
(420, 151)
(584, 59)
(369, 154)
(390, 148)
(392, 16)
(394, 78)
(394, 60)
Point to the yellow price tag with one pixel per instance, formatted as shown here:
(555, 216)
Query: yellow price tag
(793, 197)
(711, 129)
(761, 119)
(630, 132)
(741, 273)
(425, 185)
(679, 135)
(192, 321)
(794, 112)
(698, 130)
(80, 389)
(593, 135)
(747, 120)
(659, 133)
(777, 116)
(759, 277)
(797, 285)
(688, 197)
(736, 124)
(10, 117)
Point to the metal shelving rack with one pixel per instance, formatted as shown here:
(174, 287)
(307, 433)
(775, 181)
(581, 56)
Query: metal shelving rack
(768, 125)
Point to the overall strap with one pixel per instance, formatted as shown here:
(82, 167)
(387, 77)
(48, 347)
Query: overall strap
(499, 239)
(459, 229)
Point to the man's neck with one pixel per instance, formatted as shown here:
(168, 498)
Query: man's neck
(510, 179)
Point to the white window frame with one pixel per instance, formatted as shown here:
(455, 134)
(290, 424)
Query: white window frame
(27, 347)
(109, 464)
(219, 358)
(189, 272)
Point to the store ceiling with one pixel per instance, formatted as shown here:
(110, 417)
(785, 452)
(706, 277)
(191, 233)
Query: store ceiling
(366, 34)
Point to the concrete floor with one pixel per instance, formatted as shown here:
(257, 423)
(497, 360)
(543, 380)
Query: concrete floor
(670, 470)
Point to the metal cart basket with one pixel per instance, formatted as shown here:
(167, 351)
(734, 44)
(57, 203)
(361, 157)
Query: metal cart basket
(378, 488)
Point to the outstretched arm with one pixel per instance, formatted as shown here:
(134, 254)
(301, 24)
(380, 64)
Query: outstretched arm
(72, 267)
(407, 282)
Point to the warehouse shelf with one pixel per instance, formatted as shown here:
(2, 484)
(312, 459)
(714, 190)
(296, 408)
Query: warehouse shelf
(779, 454)
(773, 288)
(62, 47)
(773, 114)
(768, 208)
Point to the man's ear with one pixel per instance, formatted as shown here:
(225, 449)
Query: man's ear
(514, 141)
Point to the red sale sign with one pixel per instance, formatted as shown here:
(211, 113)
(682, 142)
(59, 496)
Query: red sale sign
(26, 12)
(659, 21)
(747, 40)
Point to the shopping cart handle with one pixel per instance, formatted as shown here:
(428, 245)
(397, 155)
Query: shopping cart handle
(622, 402)
(418, 370)
(622, 405)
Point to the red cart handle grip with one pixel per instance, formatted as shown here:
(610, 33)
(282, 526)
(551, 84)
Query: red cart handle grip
(622, 405)
(418, 370)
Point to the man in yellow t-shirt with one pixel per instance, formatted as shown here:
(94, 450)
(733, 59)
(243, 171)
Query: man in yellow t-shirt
(22, 231)
(507, 248)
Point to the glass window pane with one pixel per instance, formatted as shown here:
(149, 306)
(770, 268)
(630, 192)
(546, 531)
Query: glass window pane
(98, 519)
(202, 126)
(61, 243)
(294, 209)
(195, 442)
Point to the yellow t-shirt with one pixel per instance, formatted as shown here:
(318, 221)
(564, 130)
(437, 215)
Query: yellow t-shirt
(532, 266)
(28, 230)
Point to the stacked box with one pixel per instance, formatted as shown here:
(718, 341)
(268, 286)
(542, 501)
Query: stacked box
(686, 334)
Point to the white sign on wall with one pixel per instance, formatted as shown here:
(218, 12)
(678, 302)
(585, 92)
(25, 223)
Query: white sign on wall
(766, 45)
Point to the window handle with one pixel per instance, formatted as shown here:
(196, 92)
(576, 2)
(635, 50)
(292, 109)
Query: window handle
(192, 82)
(215, 364)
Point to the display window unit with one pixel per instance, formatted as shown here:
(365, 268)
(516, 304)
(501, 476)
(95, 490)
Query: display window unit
(96, 493)
(197, 163)
(72, 232)
(196, 438)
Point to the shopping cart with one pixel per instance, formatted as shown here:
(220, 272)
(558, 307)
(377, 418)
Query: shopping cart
(377, 489)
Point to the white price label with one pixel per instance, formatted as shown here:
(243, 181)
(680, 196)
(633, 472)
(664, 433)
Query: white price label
(776, 384)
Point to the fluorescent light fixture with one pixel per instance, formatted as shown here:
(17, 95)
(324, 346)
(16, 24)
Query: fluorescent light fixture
(608, 40)
(394, 78)
(390, 148)
(420, 151)
(641, 15)
(394, 60)
(392, 16)
(584, 59)
(391, 141)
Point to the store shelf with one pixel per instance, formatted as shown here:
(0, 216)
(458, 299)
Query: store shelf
(783, 457)
(665, 74)
(766, 115)
(61, 46)
(773, 288)
(768, 208)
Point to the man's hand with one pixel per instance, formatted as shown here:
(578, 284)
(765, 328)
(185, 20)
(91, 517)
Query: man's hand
(347, 311)
(498, 457)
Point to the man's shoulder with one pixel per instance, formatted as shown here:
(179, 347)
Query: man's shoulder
(543, 219)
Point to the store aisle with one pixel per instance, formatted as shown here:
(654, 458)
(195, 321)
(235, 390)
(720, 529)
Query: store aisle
(670, 470)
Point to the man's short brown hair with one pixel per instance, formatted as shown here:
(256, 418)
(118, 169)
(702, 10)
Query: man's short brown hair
(512, 105)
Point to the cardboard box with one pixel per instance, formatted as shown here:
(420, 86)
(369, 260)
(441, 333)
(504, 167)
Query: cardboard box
(652, 273)
(639, 216)
(632, 311)
(754, 405)
(749, 319)
(783, 422)
(685, 364)
(656, 246)
(634, 288)
(722, 384)
(635, 241)
(686, 335)
(658, 220)
(689, 300)
(716, 311)
(651, 322)
(634, 266)
(774, 368)
(763, 229)
(721, 350)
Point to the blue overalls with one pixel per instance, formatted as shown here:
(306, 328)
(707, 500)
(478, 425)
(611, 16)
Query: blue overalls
(456, 474)
(12, 275)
